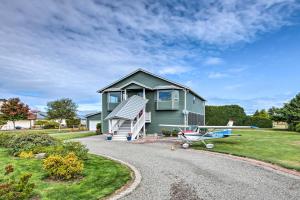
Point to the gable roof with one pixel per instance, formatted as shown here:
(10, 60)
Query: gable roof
(128, 109)
(92, 114)
(151, 74)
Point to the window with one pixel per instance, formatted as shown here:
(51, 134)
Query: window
(165, 95)
(167, 100)
(194, 100)
(114, 97)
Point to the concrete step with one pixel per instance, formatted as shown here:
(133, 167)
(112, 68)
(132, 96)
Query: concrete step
(119, 138)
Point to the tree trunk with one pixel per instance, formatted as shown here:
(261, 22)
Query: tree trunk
(14, 124)
(59, 126)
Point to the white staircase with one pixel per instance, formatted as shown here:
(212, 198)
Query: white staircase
(122, 132)
(119, 138)
(129, 118)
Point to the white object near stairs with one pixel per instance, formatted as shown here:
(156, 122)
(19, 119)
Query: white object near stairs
(128, 118)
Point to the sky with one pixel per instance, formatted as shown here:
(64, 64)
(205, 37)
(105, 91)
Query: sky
(229, 51)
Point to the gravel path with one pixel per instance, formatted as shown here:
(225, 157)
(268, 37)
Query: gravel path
(194, 175)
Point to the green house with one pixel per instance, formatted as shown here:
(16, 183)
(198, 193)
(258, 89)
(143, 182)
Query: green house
(138, 103)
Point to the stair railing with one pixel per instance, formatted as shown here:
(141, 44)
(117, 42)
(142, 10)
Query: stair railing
(138, 126)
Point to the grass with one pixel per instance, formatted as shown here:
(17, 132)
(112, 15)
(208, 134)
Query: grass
(101, 178)
(68, 136)
(42, 131)
(279, 147)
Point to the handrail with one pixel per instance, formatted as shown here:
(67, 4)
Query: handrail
(118, 123)
(138, 125)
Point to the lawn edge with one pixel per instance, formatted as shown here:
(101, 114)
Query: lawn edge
(130, 186)
(259, 163)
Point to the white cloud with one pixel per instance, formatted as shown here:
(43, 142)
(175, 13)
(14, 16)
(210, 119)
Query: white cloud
(216, 75)
(174, 70)
(233, 87)
(213, 61)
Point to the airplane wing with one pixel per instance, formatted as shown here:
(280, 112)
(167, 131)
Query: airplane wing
(210, 127)
(173, 125)
(228, 127)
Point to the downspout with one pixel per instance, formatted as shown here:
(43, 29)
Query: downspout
(185, 115)
(204, 114)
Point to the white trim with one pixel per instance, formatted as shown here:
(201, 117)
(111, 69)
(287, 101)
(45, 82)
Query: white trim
(137, 83)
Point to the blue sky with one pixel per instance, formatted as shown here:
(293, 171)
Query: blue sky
(230, 52)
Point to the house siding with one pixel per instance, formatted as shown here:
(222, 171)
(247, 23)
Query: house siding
(104, 125)
(197, 107)
(143, 78)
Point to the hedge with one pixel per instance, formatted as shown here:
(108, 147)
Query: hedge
(220, 115)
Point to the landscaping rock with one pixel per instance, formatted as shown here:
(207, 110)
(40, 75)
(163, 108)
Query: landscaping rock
(40, 155)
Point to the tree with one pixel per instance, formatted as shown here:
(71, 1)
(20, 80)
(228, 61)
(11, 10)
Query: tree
(276, 114)
(2, 121)
(262, 114)
(72, 122)
(13, 109)
(291, 110)
(61, 109)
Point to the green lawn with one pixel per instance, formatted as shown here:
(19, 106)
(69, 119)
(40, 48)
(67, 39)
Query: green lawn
(101, 178)
(274, 146)
(42, 131)
(68, 136)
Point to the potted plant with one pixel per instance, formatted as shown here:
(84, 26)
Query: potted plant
(129, 136)
(109, 136)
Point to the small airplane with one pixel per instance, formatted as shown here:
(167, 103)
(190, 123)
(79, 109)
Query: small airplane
(202, 133)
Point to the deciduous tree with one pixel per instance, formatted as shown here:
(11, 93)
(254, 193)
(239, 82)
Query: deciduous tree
(13, 109)
(61, 109)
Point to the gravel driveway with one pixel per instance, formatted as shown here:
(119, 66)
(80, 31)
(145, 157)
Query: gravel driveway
(190, 175)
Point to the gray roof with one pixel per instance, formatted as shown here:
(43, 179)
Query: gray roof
(154, 75)
(128, 109)
(92, 114)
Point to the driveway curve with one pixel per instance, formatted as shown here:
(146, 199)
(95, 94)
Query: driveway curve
(195, 175)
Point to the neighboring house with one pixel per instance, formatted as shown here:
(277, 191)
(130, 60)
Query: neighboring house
(92, 120)
(41, 115)
(1, 102)
(139, 102)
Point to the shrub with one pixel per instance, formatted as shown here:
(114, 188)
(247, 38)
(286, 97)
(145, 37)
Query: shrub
(174, 133)
(261, 122)
(28, 141)
(72, 122)
(98, 129)
(12, 189)
(5, 139)
(40, 122)
(220, 115)
(49, 150)
(63, 168)
(166, 132)
(51, 125)
(79, 149)
(25, 154)
(297, 128)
